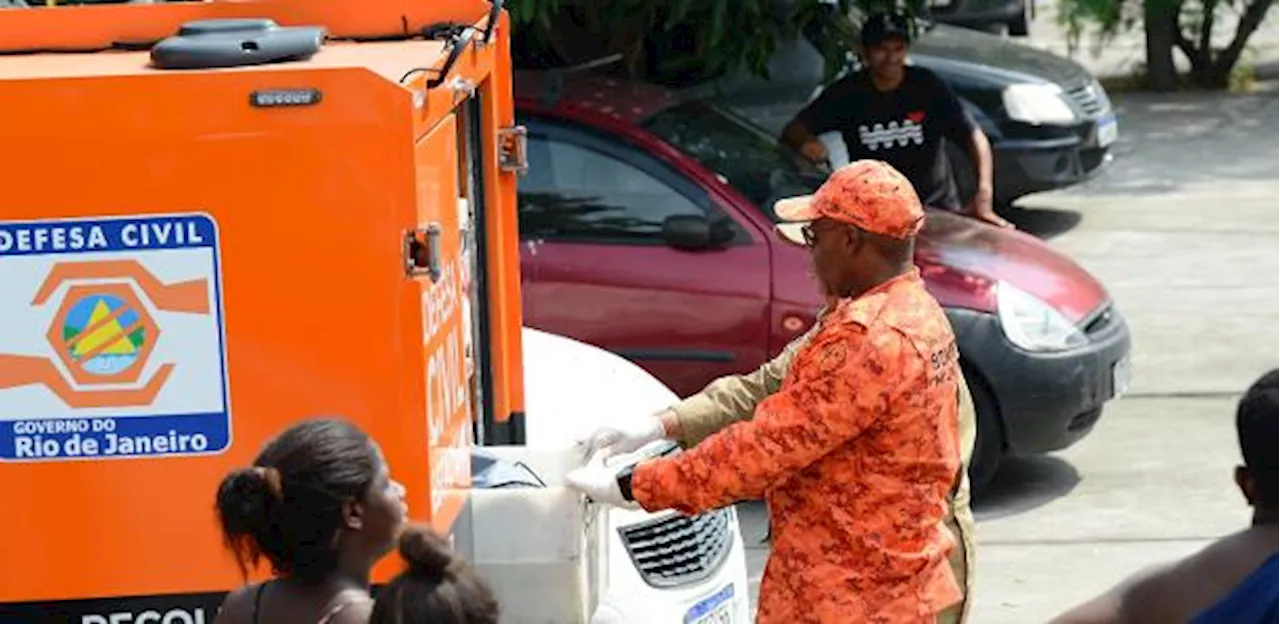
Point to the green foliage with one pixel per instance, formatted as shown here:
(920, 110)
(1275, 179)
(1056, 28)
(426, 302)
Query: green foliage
(702, 37)
(725, 34)
(1108, 18)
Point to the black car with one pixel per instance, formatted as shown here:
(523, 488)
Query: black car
(1014, 15)
(1050, 122)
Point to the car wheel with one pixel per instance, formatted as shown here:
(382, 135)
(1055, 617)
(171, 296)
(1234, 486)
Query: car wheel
(988, 447)
(1018, 25)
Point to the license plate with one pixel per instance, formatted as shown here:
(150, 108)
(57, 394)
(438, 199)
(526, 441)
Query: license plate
(1108, 130)
(714, 609)
(1121, 376)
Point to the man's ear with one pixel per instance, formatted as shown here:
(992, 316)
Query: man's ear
(854, 238)
(1245, 482)
(353, 515)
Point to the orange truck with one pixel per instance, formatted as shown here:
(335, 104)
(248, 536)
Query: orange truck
(221, 218)
(224, 216)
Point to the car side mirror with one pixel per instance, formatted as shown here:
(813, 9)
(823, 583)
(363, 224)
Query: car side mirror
(723, 231)
(690, 232)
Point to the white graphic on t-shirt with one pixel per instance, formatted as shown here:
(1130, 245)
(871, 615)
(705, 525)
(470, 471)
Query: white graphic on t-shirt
(882, 136)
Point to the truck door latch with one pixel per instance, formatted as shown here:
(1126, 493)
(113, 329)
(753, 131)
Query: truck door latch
(513, 149)
(422, 252)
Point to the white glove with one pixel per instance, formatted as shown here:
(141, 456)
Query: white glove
(599, 483)
(626, 437)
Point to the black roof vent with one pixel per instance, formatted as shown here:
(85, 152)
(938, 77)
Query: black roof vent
(206, 44)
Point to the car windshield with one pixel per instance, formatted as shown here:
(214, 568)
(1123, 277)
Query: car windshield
(748, 157)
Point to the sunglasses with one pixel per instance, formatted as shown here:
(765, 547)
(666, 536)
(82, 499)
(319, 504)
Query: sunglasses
(805, 235)
(806, 232)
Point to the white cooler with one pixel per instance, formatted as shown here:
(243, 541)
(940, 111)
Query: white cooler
(543, 550)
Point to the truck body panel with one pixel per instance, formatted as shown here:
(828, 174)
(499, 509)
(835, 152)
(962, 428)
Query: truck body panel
(194, 260)
(185, 258)
(104, 26)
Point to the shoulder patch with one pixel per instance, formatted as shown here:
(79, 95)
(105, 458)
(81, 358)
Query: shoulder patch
(831, 356)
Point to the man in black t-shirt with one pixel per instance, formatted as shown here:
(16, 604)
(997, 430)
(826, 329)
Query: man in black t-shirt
(899, 114)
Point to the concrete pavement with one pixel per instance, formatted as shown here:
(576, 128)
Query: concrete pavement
(1182, 229)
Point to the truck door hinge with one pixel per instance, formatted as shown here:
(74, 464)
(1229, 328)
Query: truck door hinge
(513, 149)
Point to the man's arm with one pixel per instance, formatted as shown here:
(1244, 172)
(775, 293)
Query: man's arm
(958, 127)
(729, 399)
(791, 429)
(820, 116)
(980, 155)
(799, 137)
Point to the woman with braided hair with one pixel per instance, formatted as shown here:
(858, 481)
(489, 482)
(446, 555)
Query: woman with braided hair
(320, 506)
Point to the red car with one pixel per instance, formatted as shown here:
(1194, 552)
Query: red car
(647, 230)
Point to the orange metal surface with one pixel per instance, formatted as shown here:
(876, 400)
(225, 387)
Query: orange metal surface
(446, 389)
(311, 205)
(99, 26)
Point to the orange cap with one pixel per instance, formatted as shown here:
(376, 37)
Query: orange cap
(868, 194)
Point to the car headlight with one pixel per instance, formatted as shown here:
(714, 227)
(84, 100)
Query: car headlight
(1101, 93)
(1037, 103)
(1032, 324)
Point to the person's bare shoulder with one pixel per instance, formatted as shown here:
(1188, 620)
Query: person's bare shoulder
(1179, 590)
(1115, 606)
(1162, 593)
(237, 607)
(355, 613)
(1217, 569)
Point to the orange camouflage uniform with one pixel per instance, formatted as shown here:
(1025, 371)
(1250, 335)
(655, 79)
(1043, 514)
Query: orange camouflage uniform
(856, 455)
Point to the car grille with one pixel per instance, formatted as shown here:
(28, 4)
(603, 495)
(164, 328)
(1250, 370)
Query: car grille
(677, 549)
(1091, 98)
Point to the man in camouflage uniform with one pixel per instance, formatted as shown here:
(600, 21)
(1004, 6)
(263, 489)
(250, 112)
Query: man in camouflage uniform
(734, 398)
(804, 443)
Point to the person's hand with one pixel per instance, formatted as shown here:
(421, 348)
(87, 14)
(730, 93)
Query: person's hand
(624, 437)
(815, 152)
(599, 483)
(980, 208)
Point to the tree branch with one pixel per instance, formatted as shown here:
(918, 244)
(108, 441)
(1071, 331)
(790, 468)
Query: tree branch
(1253, 17)
(1209, 8)
(1184, 44)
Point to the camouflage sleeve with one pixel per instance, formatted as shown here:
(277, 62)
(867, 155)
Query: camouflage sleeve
(822, 409)
(960, 512)
(733, 398)
(959, 518)
(968, 421)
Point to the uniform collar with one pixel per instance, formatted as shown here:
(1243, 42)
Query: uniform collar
(865, 307)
